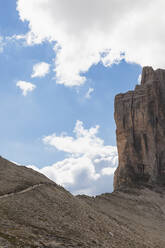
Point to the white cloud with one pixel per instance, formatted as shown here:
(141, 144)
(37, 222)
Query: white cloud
(2, 44)
(85, 142)
(89, 92)
(139, 79)
(108, 171)
(25, 87)
(88, 32)
(30, 38)
(89, 166)
(40, 69)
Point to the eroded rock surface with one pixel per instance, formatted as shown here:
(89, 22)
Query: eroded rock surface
(140, 120)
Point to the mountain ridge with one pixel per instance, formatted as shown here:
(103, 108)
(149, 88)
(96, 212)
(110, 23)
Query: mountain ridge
(48, 216)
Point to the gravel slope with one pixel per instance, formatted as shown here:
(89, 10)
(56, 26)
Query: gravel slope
(38, 213)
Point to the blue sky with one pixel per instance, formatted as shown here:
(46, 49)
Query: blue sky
(54, 107)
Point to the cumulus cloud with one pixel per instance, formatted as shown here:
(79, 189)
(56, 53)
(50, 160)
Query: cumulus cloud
(89, 92)
(25, 87)
(87, 32)
(40, 69)
(89, 166)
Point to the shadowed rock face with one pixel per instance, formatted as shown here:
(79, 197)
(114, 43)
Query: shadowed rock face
(140, 121)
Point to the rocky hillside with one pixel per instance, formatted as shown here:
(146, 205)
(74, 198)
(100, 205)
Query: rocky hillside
(36, 212)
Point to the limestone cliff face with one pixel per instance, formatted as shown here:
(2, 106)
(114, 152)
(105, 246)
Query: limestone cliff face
(140, 121)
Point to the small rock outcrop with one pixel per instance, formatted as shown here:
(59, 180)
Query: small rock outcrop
(140, 121)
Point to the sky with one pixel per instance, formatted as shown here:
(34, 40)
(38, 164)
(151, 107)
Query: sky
(62, 63)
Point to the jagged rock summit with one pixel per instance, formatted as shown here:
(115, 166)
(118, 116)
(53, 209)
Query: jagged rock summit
(140, 121)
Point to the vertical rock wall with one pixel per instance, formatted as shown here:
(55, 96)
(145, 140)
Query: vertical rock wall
(140, 121)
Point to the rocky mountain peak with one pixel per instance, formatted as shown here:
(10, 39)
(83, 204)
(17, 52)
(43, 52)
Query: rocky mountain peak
(140, 121)
(149, 75)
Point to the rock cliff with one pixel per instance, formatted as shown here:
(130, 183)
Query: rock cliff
(140, 121)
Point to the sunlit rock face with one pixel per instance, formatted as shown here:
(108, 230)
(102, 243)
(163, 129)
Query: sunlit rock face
(140, 121)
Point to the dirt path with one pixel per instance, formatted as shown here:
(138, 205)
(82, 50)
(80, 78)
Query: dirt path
(22, 191)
